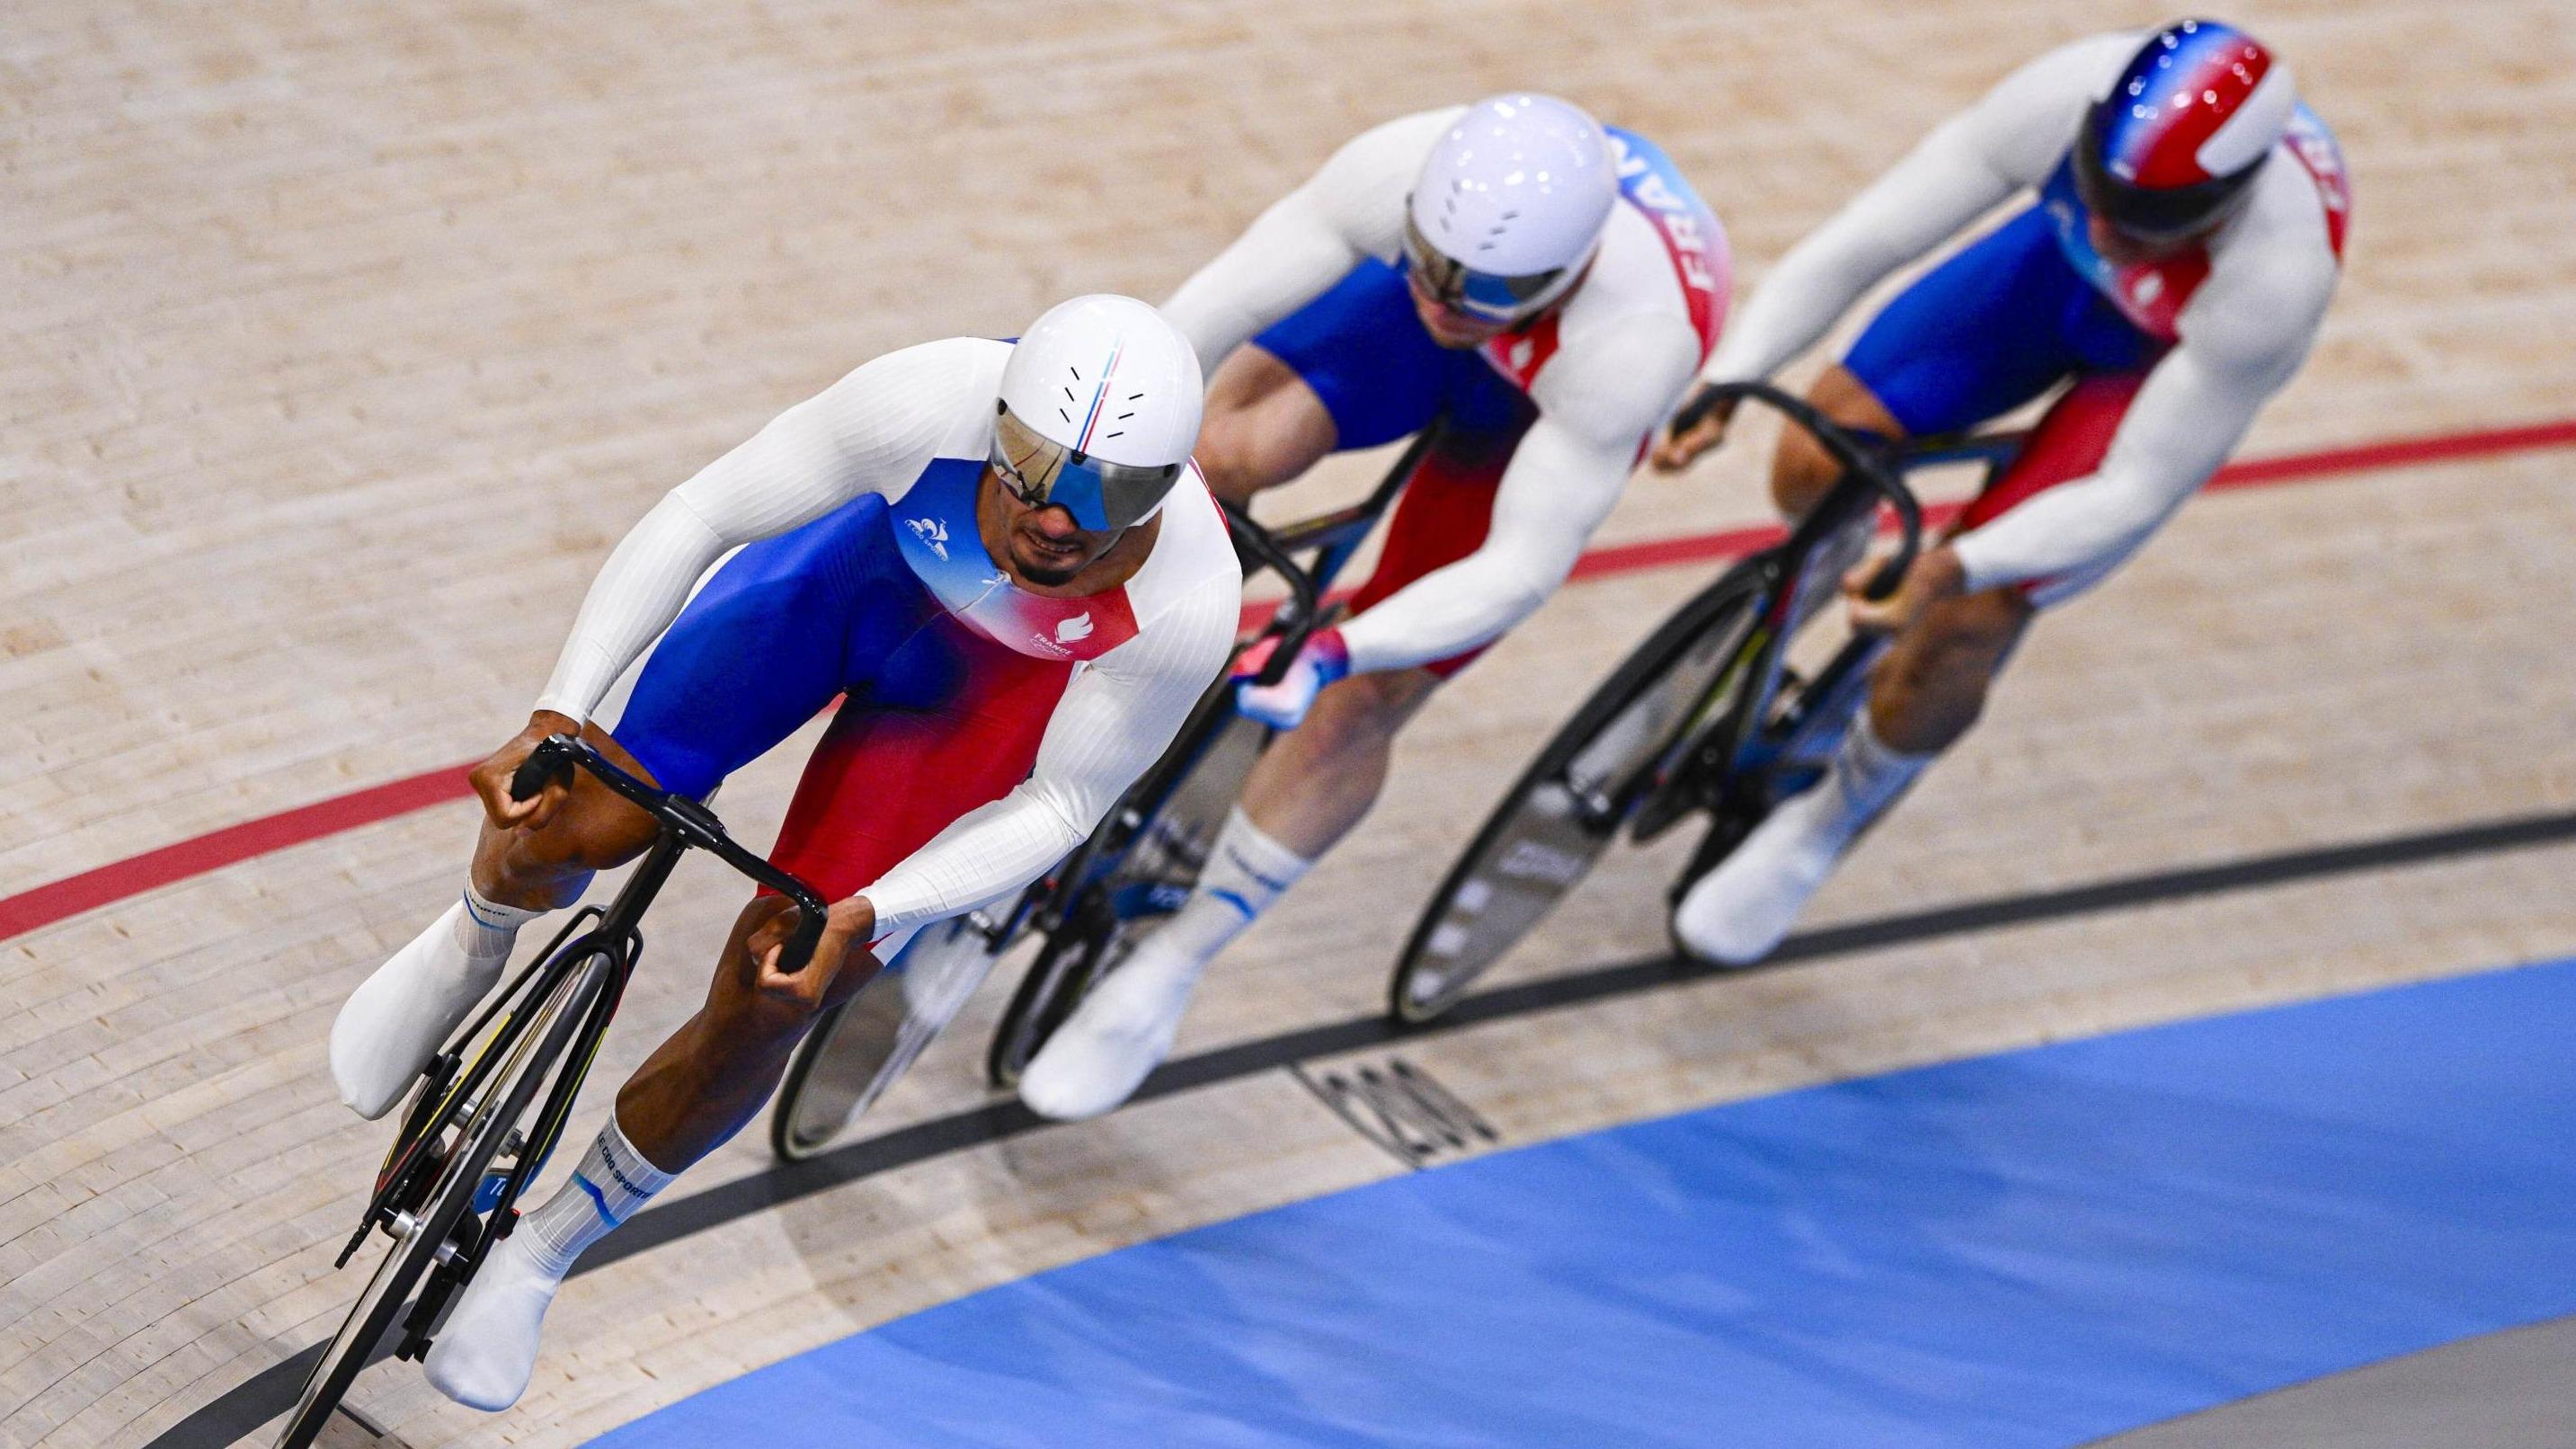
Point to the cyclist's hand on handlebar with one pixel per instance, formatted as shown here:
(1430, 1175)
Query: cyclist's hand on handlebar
(491, 779)
(1936, 575)
(853, 920)
(1283, 705)
(1695, 429)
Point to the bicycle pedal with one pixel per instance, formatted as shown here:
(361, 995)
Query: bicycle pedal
(487, 1193)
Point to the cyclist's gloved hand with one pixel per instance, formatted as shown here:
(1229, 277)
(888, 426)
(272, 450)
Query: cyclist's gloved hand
(1283, 706)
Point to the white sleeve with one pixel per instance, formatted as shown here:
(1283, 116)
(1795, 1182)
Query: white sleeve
(1563, 479)
(2243, 335)
(1117, 716)
(871, 431)
(2011, 138)
(1352, 208)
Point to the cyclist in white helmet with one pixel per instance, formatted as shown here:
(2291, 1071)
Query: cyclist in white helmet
(1542, 286)
(2168, 275)
(1002, 561)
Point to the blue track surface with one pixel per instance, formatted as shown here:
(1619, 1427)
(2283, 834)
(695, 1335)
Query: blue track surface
(2034, 1249)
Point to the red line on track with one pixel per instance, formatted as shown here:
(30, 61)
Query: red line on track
(120, 880)
(231, 845)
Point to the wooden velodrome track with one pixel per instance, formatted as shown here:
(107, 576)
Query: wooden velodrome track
(343, 341)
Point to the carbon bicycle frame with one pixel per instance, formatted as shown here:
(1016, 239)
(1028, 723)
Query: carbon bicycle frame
(1750, 746)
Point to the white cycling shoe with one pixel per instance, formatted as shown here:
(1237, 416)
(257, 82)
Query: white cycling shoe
(395, 1021)
(486, 1354)
(1740, 912)
(1116, 1038)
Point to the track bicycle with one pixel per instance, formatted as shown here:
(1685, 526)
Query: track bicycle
(1135, 869)
(1706, 718)
(469, 1144)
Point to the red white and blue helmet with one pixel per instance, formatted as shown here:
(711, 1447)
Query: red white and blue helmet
(2175, 144)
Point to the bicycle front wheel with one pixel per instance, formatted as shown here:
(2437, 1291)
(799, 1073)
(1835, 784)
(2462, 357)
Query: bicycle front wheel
(1568, 806)
(441, 1227)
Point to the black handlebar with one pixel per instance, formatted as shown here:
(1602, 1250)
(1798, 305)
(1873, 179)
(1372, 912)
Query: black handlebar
(1864, 454)
(1303, 605)
(552, 762)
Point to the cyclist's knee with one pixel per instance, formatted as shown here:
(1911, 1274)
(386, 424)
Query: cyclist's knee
(1359, 717)
(1225, 456)
(1968, 635)
(1933, 685)
(1801, 472)
(1801, 469)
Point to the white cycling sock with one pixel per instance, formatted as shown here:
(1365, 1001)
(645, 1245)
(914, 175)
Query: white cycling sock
(486, 1354)
(1125, 1028)
(612, 1181)
(1246, 873)
(487, 929)
(1867, 776)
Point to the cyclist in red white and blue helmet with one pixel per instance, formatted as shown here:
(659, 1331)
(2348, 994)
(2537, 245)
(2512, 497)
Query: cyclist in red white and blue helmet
(1539, 285)
(2174, 147)
(2167, 278)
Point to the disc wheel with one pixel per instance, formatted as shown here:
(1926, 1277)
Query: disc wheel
(862, 1046)
(443, 1223)
(1569, 805)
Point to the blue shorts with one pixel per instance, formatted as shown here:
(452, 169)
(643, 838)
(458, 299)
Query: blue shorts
(784, 627)
(1990, 329)
(1364, 352)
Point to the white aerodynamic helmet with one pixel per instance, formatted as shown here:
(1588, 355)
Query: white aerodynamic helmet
(1099, 408)
(1510, 205)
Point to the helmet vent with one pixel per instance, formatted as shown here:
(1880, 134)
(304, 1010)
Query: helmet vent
(1133, 397)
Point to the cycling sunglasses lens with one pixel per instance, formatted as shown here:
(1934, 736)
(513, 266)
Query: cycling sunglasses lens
(1101, 496)
(1461, 288)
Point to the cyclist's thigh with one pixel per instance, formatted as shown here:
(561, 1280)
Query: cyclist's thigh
(761, 649)
(1264, 426)
(1448, 504)
(1801, 470)
(2068, 442)
(1990, 329)
(1363, 353)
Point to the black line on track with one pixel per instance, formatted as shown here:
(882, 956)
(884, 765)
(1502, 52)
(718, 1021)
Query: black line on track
(272, 1390)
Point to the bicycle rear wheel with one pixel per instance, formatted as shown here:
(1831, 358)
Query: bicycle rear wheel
(1568, 806)
(440, 1226)
(863, 1045)
(1161, 866)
